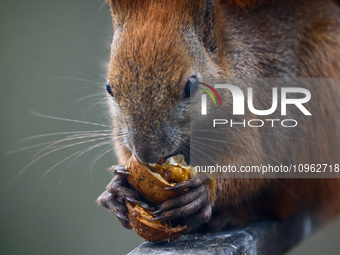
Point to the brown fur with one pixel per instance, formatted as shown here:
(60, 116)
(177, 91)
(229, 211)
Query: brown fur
(159, 44)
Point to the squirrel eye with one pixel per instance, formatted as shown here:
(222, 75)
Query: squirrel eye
(108, 88)
(190, 87)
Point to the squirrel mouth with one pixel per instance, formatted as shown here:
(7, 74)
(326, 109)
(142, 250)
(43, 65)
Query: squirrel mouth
(183, 149)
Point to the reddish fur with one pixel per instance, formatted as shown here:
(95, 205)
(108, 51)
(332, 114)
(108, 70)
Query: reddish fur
(156, 24)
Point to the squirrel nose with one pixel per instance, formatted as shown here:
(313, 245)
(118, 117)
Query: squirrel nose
(146, 156)
(146, 151)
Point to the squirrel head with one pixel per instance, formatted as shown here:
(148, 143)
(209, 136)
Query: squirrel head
(157, 46)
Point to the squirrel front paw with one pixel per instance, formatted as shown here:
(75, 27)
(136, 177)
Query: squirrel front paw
(193, 206)
(116, 195)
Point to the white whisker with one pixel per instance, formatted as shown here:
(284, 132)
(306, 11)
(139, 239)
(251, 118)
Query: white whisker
(26, 148)
(99, 156)
(77, 79)
(203, 153)
(78, 154)
(98, 77)
(69, 139)
(87, 97)
(70, 120)
(45, 154)
(94, 105)
(59, 133)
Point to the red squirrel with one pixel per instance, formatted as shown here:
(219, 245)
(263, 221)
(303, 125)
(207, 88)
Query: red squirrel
(159, 45)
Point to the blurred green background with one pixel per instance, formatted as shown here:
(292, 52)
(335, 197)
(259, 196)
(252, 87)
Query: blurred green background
(53, 61)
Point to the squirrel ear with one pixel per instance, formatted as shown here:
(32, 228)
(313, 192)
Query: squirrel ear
(205, 23)
(120, 8)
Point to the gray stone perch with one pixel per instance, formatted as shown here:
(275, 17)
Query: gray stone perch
(262, 238)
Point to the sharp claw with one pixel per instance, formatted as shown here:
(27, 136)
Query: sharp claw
(157, 218)
(132, 200)
(156, 212)
(122, 172)
(121, 216)
(118, 169)
(171, 187)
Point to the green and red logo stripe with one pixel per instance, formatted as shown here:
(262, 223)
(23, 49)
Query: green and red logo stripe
(209, 93)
